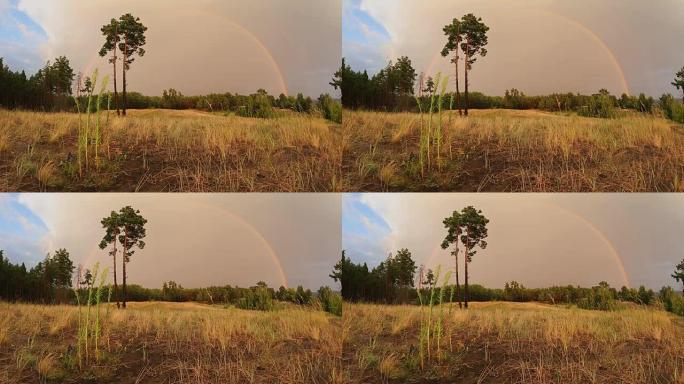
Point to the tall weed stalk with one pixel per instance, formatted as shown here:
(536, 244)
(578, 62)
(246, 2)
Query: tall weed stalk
(84, 129)
(89, 328)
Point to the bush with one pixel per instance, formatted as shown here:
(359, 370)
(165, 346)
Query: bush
(601, 106)
(672, 301)
(331, 302)
(331, 108)
(258, 298)
(673, 109)
(599, 298)
(258, 105)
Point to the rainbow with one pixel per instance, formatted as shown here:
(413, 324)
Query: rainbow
(577, 25)
(437, 251)
(96, 253)
(282, 85)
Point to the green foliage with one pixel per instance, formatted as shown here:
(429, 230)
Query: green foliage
(672, 301)
(678, 81)
(132, 38)
(598, 298)
(257, 298)
(678, 273)
(126, 228)
(48, 90)
(331, 302)
(474, 38)
(331, 108)
(599, 105)
(390, 282)
(48, 282)
(673, 109)
(258, 105)
(390, 89)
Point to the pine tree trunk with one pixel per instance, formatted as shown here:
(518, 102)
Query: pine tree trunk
(458, 92)
(124, 282)
(124, 99)
(465, 296)
(125, 252)
(116, 93)
(466, 97)
(116, 285)
(458, 285)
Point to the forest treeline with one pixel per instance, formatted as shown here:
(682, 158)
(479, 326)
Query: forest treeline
(53, 281)
(392, 90)
(394, 87)
(55, 87)
(394, 281)
(50, 281)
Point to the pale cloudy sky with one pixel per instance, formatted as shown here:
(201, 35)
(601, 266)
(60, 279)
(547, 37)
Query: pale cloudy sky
(195, 46)
(536, 239)
(194, 239)
(537, 46)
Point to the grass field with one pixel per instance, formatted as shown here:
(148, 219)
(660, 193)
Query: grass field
(171, 343)
(166, 150)
(508, 150)
(514, 343)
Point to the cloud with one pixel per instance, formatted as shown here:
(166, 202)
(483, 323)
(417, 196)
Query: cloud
(366, 45)
(536, 239)
(20, 40)
(22, 235)
(543, 46)
(197, 239)
(205, 46)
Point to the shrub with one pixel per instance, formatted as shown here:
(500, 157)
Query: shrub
(673, 109)
(258, 298)
(672, 301)
(600, 105)
(331, 108)
(331, 302)
(599, 298)
(258, 105)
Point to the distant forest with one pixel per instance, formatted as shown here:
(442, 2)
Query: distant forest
(393, 89)
(52, 281)
(52, 88)
(55, 88)
(394, 281)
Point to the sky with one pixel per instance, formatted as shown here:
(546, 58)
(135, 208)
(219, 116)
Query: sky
(538, 240)
(194, 46)
(194, 239)
(536, 46)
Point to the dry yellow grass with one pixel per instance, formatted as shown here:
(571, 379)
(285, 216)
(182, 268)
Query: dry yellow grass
(515, 343)
(172, 342)
(506, 150)
(163, 150)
